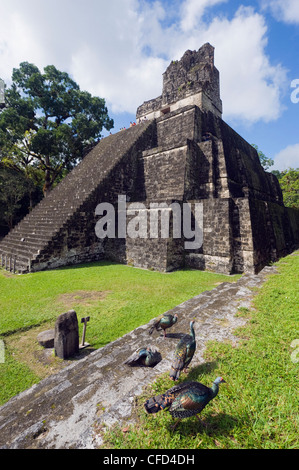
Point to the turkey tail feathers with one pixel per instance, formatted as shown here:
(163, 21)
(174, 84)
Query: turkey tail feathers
(151, 329)
(160, 402)
(165, 400)
(155, 326)
(152, 406)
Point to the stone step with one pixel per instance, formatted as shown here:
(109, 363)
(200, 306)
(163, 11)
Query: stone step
(12, 249)
(34, 245)
(31, 233)
(41, 229)
(22, 256)
(47, 211)
(31, 238)
(40, 223)
(55, 209)
(51, 217)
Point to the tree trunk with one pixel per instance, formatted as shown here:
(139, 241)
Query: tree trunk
(48, 183)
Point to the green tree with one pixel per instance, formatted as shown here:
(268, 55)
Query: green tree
(48, 122)
(13, 190)
(277, 173)
(266, 162)
(289, 183)
(23, 164)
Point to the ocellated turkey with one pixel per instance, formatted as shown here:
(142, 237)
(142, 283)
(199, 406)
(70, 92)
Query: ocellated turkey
(144, 357)
(183, 354)
(184, 400)
(165, 322)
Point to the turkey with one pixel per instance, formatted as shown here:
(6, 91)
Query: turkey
(144, 357)
(166, 321)
(183, 353)
(184, 400)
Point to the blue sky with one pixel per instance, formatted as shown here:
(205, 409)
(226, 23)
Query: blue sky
(119, 49)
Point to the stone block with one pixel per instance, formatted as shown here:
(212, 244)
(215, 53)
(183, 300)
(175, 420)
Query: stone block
(66, 340)
(46, 338)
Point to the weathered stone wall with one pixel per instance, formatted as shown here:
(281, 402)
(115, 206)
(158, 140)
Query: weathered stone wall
(245, 224)
(164, 173)
(158, 246)
(293, 221)
(215, 253)
(173, 129)
(241, 236)
(193, 80)
(194, 72)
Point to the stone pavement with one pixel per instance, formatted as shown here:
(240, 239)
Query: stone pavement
(61, 411)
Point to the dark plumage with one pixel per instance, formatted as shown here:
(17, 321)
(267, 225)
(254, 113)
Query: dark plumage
(144, 357)
(166, 321)
(184, 400)
(183, 353)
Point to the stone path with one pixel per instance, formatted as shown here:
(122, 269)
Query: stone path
(60, 412)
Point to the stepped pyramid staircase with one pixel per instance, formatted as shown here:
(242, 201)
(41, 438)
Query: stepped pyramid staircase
(25, 244)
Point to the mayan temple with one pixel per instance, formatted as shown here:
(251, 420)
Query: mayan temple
(180, 151)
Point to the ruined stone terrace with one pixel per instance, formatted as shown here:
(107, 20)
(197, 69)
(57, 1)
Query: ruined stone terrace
(69, 409)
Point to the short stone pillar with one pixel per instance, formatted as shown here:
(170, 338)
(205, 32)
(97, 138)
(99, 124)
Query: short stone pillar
(46, 338)
(66, 340)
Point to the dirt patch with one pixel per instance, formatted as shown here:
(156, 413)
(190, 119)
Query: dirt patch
(81, 297)
(7, 273)
(42, 361)
(25, 348)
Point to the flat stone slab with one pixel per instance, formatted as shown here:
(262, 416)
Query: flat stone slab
(64, 410)
(46, 338)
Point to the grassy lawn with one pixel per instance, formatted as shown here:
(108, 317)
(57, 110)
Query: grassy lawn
(258, 407)
(117, 298)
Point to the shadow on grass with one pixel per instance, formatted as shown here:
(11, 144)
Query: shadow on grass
(210, 424)
(23, 329)
(195, 373)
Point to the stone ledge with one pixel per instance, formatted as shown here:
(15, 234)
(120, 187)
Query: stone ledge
(61, 411)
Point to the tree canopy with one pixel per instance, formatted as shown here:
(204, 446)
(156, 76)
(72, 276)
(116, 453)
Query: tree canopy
(288, 180)
(266, 162)
(289, 183)
(48, 122)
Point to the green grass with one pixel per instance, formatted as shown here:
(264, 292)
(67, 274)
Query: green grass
(258, 408)
(131, 297)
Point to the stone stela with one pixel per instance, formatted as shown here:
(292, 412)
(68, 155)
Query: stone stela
(181, 151)
(66, 339)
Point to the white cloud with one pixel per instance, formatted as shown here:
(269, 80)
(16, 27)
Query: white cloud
(285, 10)
(16, 39)
(193, 10)
(250, 85)
(287, 158)
(119, 49)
